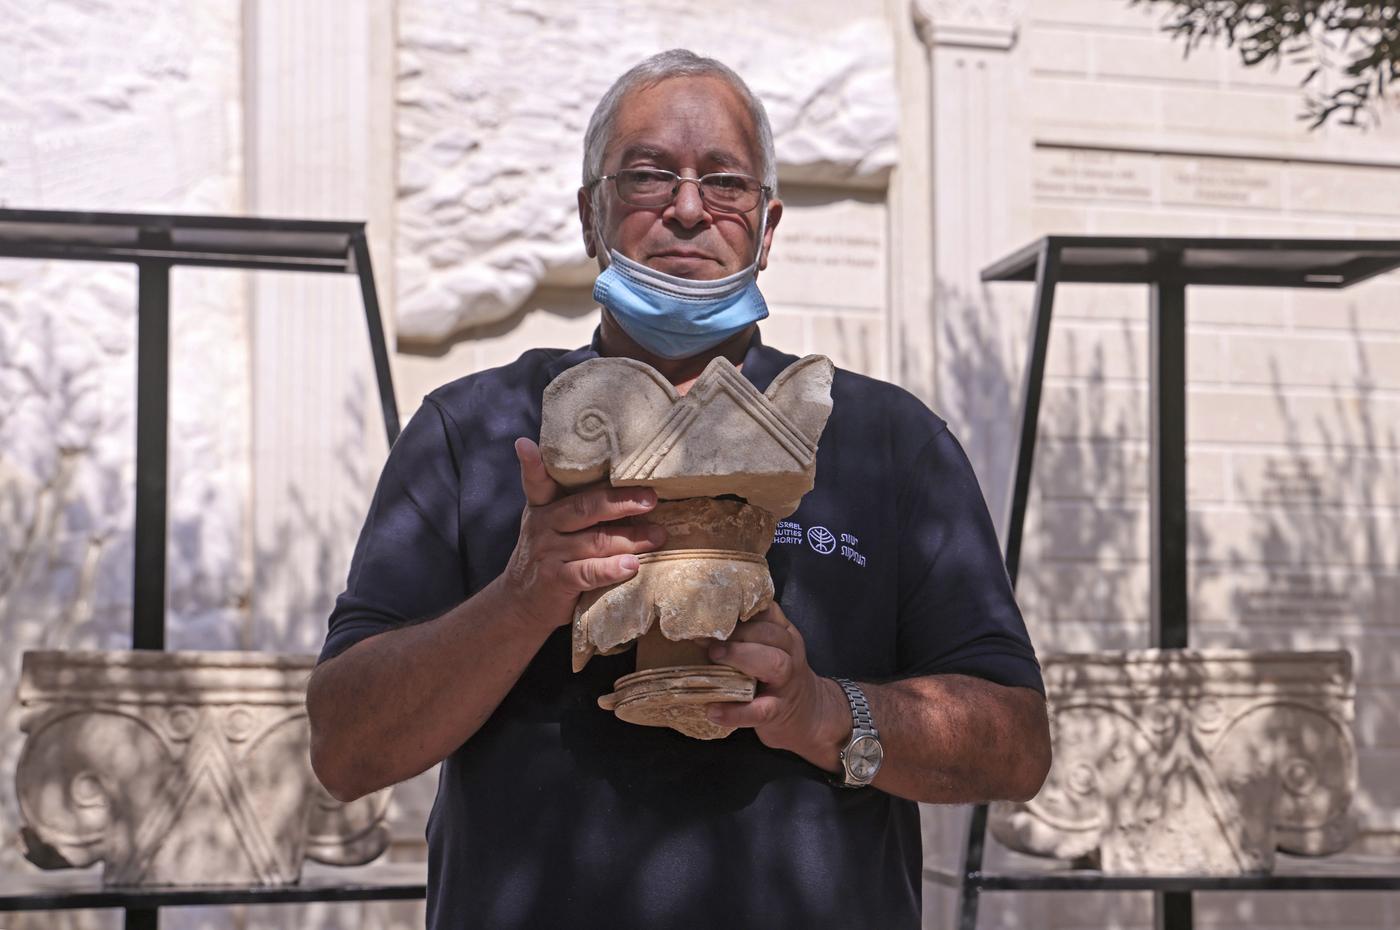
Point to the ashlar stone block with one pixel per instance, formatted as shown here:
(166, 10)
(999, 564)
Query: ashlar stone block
(179, 768)
(1172, 762)
(727, 462)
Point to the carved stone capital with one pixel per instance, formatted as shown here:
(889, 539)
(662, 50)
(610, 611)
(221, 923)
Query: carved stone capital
(992, 24)
(619, 418)
(1192, 762)
(728, 461)
(179, 768)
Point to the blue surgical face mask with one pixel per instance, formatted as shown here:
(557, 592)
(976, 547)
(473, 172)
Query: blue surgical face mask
(676, 317)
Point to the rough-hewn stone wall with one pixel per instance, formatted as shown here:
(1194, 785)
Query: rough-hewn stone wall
(494, 98)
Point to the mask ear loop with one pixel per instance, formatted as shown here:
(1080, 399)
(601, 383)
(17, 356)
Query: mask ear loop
(762, 230)
(602, 245)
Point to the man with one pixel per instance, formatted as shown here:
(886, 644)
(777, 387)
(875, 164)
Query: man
(451, 641)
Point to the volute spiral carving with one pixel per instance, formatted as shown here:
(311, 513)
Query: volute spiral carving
(1192, 762)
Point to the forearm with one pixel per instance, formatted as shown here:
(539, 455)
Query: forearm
(953, 739)
(397, 703)
(948, 739)
(391, 706)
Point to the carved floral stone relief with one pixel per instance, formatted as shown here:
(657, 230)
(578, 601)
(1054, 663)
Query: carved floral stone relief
(1192, 762)
(179, 768)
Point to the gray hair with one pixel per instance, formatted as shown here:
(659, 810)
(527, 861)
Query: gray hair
(676, 62)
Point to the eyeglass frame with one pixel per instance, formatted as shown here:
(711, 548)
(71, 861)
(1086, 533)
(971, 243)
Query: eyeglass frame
(764, 190)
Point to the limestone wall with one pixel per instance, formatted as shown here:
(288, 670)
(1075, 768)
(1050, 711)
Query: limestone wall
(1293, 416)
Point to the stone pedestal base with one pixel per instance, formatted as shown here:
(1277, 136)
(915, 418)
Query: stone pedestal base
(708, 578)
(179, 768)
(677, 697)
(674, 683)
(1192, 762)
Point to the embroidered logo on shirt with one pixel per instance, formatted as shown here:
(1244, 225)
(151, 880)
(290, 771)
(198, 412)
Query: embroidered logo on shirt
(820, 539)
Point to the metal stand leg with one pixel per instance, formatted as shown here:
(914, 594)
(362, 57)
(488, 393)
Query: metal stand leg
(152, 479)
(1046, 273)
(375, 323)
(152, 431)
(142, 918)
(1171, 909)
(972, 868)
(1168, 484)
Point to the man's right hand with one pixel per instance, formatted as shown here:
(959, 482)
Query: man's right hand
(568, 543)
(394, 704)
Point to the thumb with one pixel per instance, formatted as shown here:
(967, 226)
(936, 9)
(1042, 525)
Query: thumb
(539, 488)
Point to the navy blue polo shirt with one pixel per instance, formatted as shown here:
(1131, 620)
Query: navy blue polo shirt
(555, 813)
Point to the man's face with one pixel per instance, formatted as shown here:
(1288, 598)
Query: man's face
(692, 126)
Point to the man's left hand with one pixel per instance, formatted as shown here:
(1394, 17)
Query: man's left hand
(795, 709)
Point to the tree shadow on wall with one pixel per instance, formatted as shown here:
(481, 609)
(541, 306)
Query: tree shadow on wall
(301, 564)
(1287, 587)
(1321, 549)
(1086, 529)
(42, 513)
(302, 557)
(1330, 476)
(63, 504)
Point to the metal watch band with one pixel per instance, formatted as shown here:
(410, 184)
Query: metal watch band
(862, 727)
(862, 720)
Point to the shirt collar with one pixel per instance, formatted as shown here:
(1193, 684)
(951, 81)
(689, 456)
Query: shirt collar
(569, 359)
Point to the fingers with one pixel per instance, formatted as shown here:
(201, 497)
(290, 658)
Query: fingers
(759, 712)
(607, 539)
(587, 574)
(599, 505)
(765, 631)
(578, 511)
(540, 489)
(767, 647)
(770, 664)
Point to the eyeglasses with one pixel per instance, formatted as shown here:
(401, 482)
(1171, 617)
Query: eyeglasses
(722, 191)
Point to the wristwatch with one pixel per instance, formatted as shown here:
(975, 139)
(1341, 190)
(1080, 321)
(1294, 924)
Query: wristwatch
(862, 755)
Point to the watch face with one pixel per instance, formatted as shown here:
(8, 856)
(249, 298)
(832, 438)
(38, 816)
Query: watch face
(863, 758)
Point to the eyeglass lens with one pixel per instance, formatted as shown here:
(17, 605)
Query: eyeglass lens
(645, 187)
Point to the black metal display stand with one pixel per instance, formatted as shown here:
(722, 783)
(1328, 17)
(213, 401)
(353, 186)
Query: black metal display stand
(1167, 265)
(155, 244)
